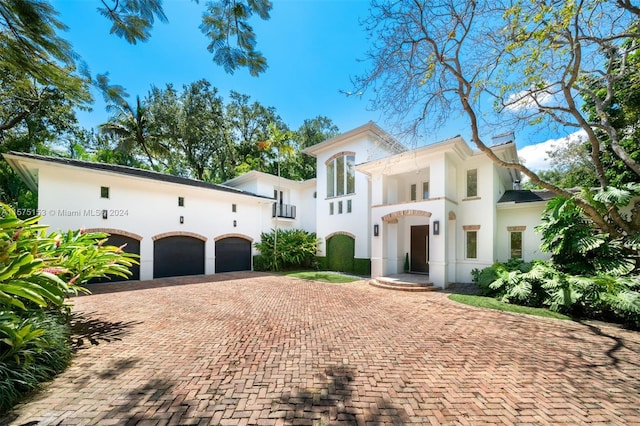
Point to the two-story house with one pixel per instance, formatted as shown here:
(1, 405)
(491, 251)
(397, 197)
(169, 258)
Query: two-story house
(442, 209)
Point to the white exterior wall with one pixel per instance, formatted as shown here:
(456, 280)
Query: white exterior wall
(70, 198)
(298, 194)
(475, 211)
(525, 215)
(358, 221)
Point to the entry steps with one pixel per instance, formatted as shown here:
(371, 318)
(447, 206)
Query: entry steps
(404, 282)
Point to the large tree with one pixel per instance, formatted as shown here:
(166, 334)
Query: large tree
(193, 125)
(248, 124)
(533, 61)
(30, 41)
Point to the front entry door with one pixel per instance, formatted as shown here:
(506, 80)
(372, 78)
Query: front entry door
(420, 248)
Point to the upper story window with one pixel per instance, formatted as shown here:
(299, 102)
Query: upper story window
(180, 201)
(413, 191)
(104, 192)
(425, 190)
(341, 175)
(472, 183)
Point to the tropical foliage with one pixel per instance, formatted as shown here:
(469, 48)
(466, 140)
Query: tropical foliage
(286, 249)
(578, 246)
(543, 284)
(37, 272)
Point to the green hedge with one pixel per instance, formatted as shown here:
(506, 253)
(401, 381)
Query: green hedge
(323, 263)
(340, 253)
(362, 266)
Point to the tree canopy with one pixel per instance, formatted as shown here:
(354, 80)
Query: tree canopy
(513, 63)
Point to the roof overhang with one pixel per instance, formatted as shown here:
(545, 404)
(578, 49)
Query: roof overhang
(28, 165)
(408, 160)
(370, 129)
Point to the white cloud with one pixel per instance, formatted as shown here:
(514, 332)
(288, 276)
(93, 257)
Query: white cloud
(535, 156)
(528, 100)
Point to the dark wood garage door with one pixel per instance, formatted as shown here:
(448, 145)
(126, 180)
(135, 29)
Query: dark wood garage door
(233, 254)
(132, 246)
(178, 256)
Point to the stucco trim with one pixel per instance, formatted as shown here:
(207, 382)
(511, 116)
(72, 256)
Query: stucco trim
(471, 227)
(333, 234)
(452, 215)
(339, 154)
(393, 217)
(415, 202)
(117, 232)
(179, 234)
(232, 235)
(516, 228)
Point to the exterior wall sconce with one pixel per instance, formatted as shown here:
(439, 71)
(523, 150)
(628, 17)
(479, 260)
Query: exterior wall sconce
(105, 214)
(376, 230)
(181, 219)
(235, 223)
(436, 227)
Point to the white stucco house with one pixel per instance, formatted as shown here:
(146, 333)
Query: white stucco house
(374, 204)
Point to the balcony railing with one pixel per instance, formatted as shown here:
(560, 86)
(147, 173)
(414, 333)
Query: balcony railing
(283, 210)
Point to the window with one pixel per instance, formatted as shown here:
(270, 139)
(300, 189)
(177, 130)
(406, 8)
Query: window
(348, 206)
(104, 192)
(413, 192)
(425, 190)
(472, 183)
(515, 244)
(331, 177)
(234, 208)
(341, 178)
(339, 207)
(330, 208)
(181, 201)
(351, 174)
(472, 244)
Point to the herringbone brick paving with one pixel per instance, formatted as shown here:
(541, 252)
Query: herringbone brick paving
(240, 349)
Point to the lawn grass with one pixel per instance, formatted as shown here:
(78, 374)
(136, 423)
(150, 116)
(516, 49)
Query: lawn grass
(327, 277)
(491, 303)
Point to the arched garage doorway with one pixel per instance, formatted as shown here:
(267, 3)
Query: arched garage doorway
(341, 252)
(233, 253)
(178, 255)
(131, 244)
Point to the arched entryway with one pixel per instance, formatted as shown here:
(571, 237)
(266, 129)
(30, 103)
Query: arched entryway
(341, 252)
(178, 254)
(409, 237)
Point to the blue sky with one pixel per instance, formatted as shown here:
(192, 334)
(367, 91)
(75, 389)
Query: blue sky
(313, 48)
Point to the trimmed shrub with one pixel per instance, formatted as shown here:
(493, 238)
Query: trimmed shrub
(362, 267)
(340, 253)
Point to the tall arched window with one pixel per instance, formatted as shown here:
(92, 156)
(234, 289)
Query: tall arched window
(341, 178)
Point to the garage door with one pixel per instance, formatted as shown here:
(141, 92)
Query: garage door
(233, 254)
(178, 256)
(132, 246)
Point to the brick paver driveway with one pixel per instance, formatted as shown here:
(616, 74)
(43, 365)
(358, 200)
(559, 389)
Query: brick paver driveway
(259, 349)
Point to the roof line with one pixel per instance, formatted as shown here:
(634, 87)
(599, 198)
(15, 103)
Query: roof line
(131, 171)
